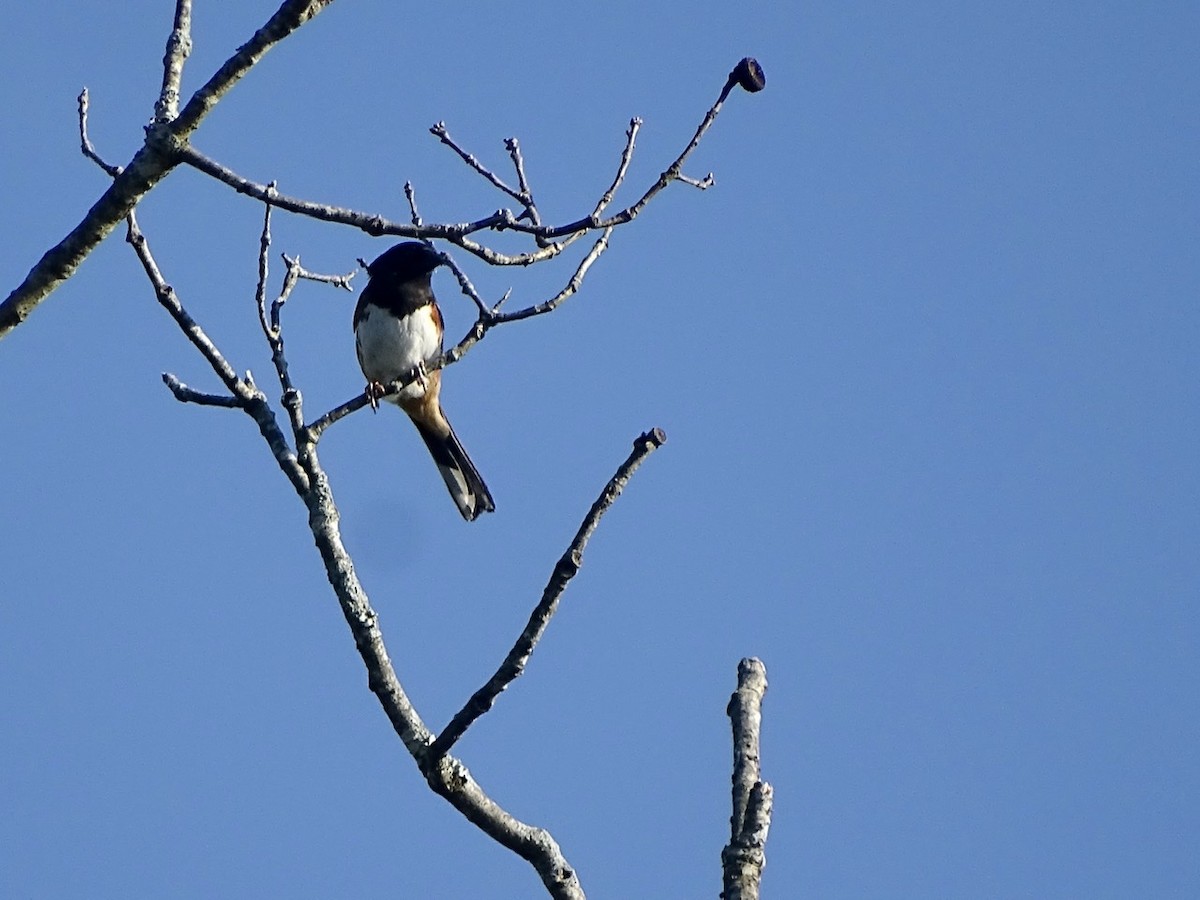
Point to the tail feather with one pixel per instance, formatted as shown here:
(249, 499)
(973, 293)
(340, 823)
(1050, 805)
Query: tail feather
(462, 479)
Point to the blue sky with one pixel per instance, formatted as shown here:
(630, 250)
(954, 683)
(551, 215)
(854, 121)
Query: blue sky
(926, 360)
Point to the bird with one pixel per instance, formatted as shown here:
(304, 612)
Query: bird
(398, 326)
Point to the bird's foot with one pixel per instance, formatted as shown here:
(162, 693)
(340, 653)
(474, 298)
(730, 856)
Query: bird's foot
(421, 376)
(374, 391)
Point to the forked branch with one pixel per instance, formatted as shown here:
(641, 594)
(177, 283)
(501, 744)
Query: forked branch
(157, 156)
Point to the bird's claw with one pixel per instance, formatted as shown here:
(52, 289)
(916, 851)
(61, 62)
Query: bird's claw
(374, 391)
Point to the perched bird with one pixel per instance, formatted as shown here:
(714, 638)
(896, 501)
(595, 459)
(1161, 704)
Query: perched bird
(397, 325)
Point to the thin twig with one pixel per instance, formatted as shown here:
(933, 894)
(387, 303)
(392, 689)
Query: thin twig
(568, 565)
(249, 396)
(410, 194)
(168, 299)
(526, 195)
(443, 134)
(185, 394)
(314, 431)
(672, 172)
(260, 288)
(303, 274)
(635, 125)
(85, 142)
(572, 286)
(467, 288)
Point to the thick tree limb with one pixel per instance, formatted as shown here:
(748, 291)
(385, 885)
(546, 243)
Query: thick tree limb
(743, 859)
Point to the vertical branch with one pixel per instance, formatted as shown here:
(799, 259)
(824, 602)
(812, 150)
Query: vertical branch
(179, 47)
(260, 290)
(743, 859)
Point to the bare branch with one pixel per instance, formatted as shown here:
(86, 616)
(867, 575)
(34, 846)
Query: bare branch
(185, 394)
(314, 431)
(338, 281)
(371, 223)
(573, 285)
(157, 156)
(635, 125)
(743, 859)
(443, 134)
(248, 395)
(566, 569)
(170, 302)
(526, 195)
(501, 220)
(85, 143)
(179, 47)
(451, 779)
(446, 775)
(744, 74)
(702, 183)
(465, 285)
(290, 16)
(269, 329)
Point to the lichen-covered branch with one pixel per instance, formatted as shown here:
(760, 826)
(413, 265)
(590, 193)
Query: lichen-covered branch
(744, 857)
(179, 48)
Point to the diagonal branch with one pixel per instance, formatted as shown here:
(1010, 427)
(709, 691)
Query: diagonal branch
(243, 391)
(747, 74)
(573, 285)
(156, 158)
(566, 569)
(290, 16)
(442, 133)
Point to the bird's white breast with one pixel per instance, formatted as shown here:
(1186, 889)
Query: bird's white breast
(389, 347)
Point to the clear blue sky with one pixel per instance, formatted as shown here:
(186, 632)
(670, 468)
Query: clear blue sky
(927, 361)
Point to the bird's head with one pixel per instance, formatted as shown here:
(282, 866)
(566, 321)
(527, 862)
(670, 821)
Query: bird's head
(405, 261)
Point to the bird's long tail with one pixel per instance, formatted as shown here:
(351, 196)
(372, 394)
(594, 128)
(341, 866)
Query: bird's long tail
(462, 478)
